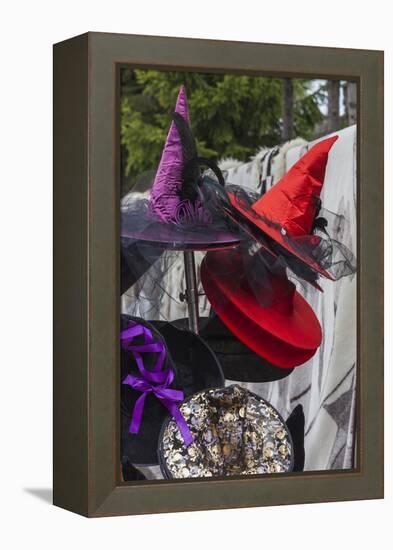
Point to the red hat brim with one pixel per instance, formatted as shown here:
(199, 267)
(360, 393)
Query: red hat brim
(285, 340)
(258, 222)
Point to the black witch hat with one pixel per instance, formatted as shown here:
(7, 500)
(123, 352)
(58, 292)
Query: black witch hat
(160, 366)
(238, 362)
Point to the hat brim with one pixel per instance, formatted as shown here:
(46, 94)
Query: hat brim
(195, 366)
(175, 237)
(237, 360)
(286, 341)
(258, 222)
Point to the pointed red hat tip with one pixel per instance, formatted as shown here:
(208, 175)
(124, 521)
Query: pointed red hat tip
(316, 159)
(291, 201)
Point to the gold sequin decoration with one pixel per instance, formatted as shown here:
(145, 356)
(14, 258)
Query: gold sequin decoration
(235, 433)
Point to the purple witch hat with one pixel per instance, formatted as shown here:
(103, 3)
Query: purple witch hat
(177, 214)
(165, 198)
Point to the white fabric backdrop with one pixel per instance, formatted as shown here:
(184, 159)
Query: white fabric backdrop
(325, 385)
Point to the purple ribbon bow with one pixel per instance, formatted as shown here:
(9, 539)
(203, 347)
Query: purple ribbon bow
(154, 381)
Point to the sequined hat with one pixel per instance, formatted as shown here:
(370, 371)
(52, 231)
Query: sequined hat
(235, 432)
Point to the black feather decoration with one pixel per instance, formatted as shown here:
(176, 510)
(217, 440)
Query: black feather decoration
(187, 139)
(191, 171)
(192, 178)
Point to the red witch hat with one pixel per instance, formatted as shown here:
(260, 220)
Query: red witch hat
(288, 211)
(285, 331)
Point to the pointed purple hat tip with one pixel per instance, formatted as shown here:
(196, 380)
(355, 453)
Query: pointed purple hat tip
(164, 196)
(181, 104)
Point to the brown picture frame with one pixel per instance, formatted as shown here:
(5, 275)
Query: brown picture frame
(86, 274)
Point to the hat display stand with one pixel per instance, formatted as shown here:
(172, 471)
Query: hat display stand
(191, 294)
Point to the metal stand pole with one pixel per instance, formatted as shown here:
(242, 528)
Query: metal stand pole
(191, 291)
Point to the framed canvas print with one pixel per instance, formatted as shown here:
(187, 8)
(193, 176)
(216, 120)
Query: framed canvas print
(218, 274)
